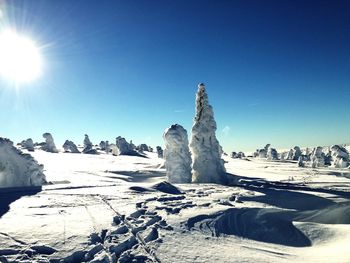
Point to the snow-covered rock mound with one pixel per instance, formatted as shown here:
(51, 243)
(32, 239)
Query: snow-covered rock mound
(18, 169)
(208, 167)
(177, 155)
(70, 146)
(49, 145)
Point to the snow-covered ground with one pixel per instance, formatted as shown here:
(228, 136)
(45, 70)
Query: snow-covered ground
(103, 208)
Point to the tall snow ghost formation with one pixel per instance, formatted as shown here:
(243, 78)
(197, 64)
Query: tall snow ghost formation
(28, 144)
(208, 167)
(70, 146)
(340, 157)
(317, 157)
(18, 169)
(177, 155)
(49, 145)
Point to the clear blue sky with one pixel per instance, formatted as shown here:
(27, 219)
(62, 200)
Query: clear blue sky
(276, 71)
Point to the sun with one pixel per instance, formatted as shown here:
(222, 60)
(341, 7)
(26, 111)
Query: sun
(20, 58)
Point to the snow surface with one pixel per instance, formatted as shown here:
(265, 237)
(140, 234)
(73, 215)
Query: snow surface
(104, 207)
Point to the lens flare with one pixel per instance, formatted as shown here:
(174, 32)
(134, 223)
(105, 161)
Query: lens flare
(20, 58)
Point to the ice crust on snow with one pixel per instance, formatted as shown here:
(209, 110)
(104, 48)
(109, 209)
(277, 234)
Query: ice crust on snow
(177, 155)
(18, 169)
(49, 145)
(208, 167)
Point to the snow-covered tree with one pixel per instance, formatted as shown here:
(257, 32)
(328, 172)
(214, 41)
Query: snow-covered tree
(289, 155)
(49, 145)
(177, 155)
(70, 146)
(208, 167)
(272, 154)
(296, 153)
(18, 169)
(102, 145)
(340, 157)
(88, 146)
(124, 148)
(301, 162)
(317, 157)
(28, 144)
(159, 151)
(107, 147)
(262, 153)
